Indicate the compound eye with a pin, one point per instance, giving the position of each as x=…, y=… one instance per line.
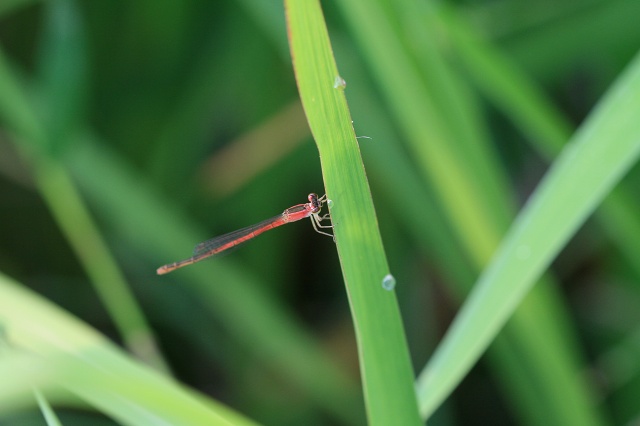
x=315, y=204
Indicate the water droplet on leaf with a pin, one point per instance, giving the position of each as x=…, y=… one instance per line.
x=388, y=282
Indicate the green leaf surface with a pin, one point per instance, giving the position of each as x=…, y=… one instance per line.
x=53, y=349
x=596, y=158
x=382, y=348
x=47, y=411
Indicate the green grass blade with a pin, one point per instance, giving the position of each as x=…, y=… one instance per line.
x=48, y=413
x=511, y=91
x=52, y=349
x=232, y=295
x=599, y=154
x=425, y=118
x=73, y=217
x=383, y=352
x=535, y=115
x=428, y=135
x=62, y=58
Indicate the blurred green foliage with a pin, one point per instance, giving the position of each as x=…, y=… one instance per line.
x=130, y=131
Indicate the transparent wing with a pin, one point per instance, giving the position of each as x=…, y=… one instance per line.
x=233, y=239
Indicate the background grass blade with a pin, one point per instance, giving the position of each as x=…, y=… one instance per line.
x=62, y=352
x=520, y=99
x=601, y=152
x=44, y=129
x=456, y=159
x=47, y=411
